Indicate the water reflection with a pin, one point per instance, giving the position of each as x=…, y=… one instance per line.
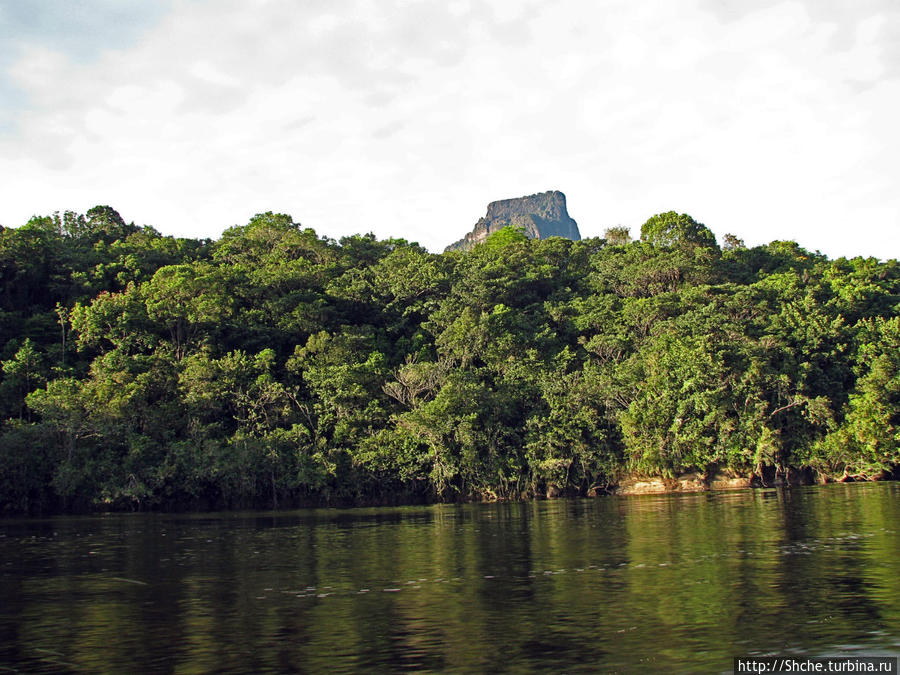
x=683, y=582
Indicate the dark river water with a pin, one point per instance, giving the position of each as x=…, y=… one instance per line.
x=675, y=583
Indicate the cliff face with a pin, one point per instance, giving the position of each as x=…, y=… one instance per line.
x=539, y=216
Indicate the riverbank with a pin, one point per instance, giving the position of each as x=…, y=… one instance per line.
x=730, y=480
x=629, y=485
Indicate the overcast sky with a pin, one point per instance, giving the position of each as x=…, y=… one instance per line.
x=765, y=119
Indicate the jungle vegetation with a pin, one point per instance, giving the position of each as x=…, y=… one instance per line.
x=274, y=367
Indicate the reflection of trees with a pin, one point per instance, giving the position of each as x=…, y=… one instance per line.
x=662, y=582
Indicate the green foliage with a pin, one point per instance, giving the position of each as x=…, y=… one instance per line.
x=499, y=240
x=274, y=367
x=617, y=236
x=571, y=441
x=733, y=242
x=674, y=229
x=867, y=442
x=22, y=373
x=26, y=469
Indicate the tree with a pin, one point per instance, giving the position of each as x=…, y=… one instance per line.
x=867, y=443
x=104, y=222
x=113, y=321
x=617, y=236
x=679, y=230
x=23, y=373
x=569, y=441
x=185, y=299
x=505, y=237
x=66, y=410
x=732, y=243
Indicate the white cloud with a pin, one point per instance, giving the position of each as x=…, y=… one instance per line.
x=407, y=118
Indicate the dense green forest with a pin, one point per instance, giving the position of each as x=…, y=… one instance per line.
x=274, y=367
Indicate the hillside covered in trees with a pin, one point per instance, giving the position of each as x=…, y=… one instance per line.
x=274, y=367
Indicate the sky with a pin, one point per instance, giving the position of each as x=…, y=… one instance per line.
x=760, y=118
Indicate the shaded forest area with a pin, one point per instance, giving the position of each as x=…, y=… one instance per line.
x=275, y=368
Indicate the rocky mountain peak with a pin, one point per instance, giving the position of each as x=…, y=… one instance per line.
x=538, y=216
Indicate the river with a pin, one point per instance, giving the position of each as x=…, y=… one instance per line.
x=670, y=583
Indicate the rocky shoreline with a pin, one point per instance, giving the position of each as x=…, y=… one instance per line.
x=729, y=480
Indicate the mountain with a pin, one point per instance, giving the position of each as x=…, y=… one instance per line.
x=539, y=216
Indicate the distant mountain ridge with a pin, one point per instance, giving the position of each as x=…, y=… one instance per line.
x=539, y=216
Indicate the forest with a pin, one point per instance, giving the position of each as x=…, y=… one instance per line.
x=273, y=367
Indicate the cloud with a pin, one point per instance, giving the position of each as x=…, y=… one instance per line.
x=79, y=28
x=407, y=117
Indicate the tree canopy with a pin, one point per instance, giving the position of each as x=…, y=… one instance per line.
x=275, y=367
x=676, y=229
